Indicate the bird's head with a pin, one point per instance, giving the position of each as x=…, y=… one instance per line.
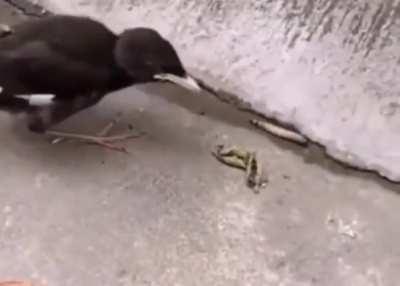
x=147, y=57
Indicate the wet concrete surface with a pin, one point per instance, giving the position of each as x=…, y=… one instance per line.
x=170, y=214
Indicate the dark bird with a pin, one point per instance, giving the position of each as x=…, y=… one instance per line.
x=53, y=67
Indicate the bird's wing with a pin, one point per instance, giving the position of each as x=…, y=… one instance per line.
x=79, y=37
x=42, y=68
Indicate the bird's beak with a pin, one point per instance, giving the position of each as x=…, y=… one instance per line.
x=187, y=82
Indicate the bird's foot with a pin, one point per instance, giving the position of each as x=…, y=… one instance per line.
x=102, y=138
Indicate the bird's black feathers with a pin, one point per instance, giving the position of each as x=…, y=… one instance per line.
x=79, y=60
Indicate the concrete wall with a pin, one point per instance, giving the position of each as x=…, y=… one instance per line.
x=330, y=67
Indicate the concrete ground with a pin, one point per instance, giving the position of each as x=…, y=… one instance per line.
x=170, y=214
